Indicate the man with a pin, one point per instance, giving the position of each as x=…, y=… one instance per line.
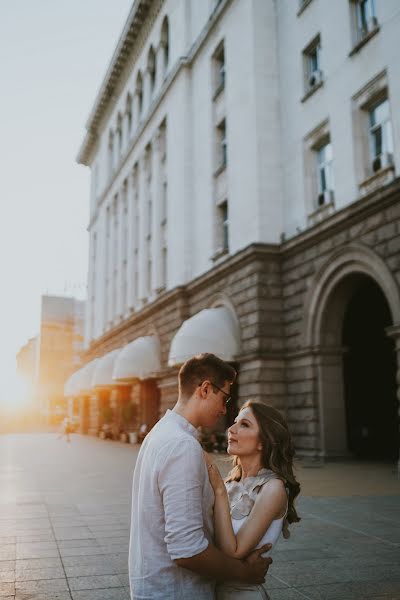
x=171, y=554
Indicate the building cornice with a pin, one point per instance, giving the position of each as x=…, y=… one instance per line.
x=179, y=295
x=112, y=338
x=354, y=213
x=351, y=214
x=249, y=255
x=126, y=43
x=120, y=59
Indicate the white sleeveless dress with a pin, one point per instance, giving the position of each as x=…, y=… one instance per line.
x=242, y=495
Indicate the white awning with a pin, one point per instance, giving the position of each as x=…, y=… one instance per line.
x=210, y=330
x=103, y=371
x=84, y=381
x=138, y=360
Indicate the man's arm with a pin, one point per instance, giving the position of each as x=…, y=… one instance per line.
x=180, y=482
x=213, y=563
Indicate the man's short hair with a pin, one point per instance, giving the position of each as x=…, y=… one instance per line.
x=201, y=367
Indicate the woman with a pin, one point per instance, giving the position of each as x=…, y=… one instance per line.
x=256, y=502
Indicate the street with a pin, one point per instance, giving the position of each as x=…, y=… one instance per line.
x=64, y=525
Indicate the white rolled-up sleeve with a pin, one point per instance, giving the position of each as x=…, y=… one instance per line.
x=180, y=482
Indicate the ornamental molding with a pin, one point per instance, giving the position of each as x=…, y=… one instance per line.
x=136, y=31
x=139, y=23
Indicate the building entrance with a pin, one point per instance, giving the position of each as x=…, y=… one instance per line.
x=369, y=374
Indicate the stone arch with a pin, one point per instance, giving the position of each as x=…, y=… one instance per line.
x=354, y=258
x=326, y=303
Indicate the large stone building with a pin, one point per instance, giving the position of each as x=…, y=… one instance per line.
x=245, y=200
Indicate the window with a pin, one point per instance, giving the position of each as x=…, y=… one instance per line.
x=119, y=134
x=165, y=43
x=222, y=155
x=164, y=202
x=365, y=17
x=318, y=173
x=128, y=111
x=380, y=136
x=312, y=65
x=325, y=173
x=110, y=153
x=151, y=66
x=149, y=276
x=372, y=135
x=219, y=69
x=149, y=215
x=223, y=226
x=139, y=94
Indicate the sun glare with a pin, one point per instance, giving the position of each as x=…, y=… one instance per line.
x=15, y=396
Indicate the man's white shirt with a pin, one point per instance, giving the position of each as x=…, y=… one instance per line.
x=172, y=513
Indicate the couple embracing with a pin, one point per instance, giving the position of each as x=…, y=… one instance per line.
x=192, y=535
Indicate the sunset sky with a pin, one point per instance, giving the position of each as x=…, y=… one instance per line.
x=54, y=55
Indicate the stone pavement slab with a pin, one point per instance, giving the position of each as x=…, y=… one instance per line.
x=65, y=511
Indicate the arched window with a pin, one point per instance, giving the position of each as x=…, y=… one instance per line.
x=128, y=114
x=119, y=134
x=151, y=66
x=165, y=44
x=139, y=93
x=110, y=152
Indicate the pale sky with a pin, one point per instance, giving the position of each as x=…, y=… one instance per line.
x=53, y=56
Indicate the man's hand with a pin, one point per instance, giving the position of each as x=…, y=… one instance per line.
x=256, y=565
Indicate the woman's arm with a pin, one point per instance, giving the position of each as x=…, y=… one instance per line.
x=270, y=504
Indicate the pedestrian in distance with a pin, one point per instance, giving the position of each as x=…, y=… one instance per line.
x=256, y=502
x=66, y=429
x=171, y=550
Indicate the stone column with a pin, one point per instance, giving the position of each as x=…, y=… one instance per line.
x=109, y=262
x=156, y=239
x=130, y=242
x=120, y=253
x=331, y=401
x=394, y=332
x=142, y=291
x=90, y=291
x=113, y=261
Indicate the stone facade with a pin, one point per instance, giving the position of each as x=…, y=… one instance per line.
x=190, y=208
x=278, y=292
x=364, y=238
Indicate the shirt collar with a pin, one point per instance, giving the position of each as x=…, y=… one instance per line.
x=182, y=422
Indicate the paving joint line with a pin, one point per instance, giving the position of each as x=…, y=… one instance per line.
x=375, y=537
x=58, y=549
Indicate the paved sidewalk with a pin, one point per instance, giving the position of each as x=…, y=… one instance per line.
x=64, y=525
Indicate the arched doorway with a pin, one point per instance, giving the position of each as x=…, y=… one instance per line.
x=369, y=374
x=352, y=318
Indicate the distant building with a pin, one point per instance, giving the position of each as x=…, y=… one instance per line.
x=27, y=359
x=59, y=351
x=245, y=200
